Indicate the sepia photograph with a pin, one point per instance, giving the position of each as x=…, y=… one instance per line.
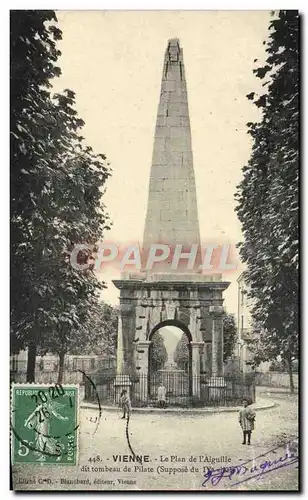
x=154, y=250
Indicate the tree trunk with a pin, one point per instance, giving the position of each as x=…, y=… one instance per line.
x=61, y=367
x=289, y=364
x=31, y=362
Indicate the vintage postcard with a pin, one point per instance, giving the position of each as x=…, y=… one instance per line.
x=154, y=250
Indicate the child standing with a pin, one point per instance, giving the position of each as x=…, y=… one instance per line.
x=161, y=395
x=125, y=403
x=247, y=420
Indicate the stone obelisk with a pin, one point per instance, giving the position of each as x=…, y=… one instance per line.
x=189, y=300
x=172, y=215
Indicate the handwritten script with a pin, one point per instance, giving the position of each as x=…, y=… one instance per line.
x=241, y=473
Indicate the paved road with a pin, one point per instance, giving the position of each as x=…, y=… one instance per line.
x=209, y=435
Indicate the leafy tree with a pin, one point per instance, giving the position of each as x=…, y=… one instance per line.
x=95, y=335
x=230, y=334
x=104, y=320
x=181, y=353
x=56, y=188
x=158, y=353
x=268, y=197
x=33, y=57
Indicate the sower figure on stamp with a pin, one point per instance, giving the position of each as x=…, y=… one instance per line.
x=161, y=395
x=39, y=421
x=125, y=403
x=247, y=420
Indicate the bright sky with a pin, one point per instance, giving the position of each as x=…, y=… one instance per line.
x=113, y=61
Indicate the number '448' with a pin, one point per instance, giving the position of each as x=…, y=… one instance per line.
x=94, y=459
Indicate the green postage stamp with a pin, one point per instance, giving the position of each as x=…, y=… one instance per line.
x=44, y=423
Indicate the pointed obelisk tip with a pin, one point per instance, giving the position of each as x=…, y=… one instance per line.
x=173, y=50
x=173, y=41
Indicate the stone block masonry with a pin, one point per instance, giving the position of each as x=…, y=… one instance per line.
x=166, y=296
x=172, y=215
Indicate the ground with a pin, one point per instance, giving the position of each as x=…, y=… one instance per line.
x=163, y=436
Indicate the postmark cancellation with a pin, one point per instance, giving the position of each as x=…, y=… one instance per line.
x=44, y=424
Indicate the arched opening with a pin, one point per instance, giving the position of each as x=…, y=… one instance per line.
x=170, y=362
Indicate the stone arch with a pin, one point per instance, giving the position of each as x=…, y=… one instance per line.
x=172, y=322
x=193, y=304
x=184, y=328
